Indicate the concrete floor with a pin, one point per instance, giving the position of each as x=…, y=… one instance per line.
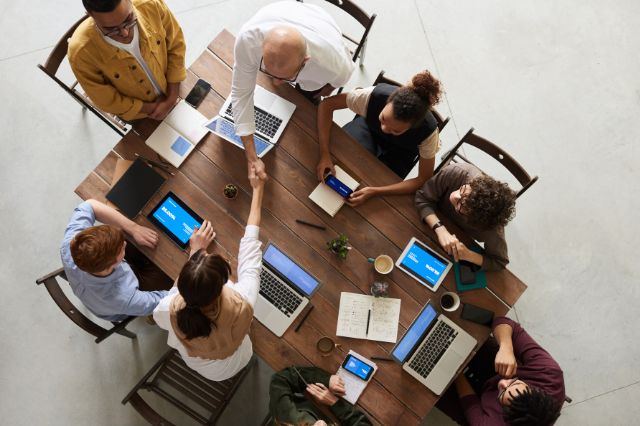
x=554, y=83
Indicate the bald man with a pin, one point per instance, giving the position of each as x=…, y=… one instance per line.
x=290, y=42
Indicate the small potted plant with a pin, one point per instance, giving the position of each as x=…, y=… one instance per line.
x=230, y=191
x=339, y=246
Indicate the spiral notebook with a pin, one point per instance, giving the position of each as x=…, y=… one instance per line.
x=328, y=199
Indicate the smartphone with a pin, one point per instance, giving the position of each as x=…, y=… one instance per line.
x=477, y=314
x=335, y=184
x=198, y=93
x=357, y=367
x=467, y=273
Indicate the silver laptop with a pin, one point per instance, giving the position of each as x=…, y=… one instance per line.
x=272, y=114
x=285, y=290
x=433, y=349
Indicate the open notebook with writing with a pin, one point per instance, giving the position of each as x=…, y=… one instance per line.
x=178, y=134
x=328, y=199
x=366, y=317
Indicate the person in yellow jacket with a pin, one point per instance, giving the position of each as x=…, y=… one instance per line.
x=128, y=56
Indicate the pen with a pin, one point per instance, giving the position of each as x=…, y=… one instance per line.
x=300, y=375
x=155, y=164
x=368, y=319
x=381, y=358
x=313, y=225
x=303, y=319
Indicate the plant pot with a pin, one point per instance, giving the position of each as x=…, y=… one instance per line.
x=230, y=191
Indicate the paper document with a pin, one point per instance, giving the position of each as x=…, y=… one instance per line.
x=368, y=317
x=178, y=134
x=327, y=198
x=353, y=385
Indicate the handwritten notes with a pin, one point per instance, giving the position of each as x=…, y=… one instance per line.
x=367, y=317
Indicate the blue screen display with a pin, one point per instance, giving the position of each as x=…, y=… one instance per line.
x=417, y=329
x=424, y=264
x=227, y=129
x=335, y=184
x=176, y=219
x=288, y=268
x=357, y=367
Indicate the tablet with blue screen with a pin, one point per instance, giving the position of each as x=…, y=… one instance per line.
x=423, y=264
x=175, y=219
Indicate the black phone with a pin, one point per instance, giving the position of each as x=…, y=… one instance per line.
x=467, y=273
x=198, y=93
x=477, y=314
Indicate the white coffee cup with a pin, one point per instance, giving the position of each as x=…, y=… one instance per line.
x=383, y=264
x=449, y=301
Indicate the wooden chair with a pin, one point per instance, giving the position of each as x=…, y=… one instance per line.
x=53, y=287
x=51, y=67
x=363, y=19
x=382, y=79
x=494, y=151
x=174, y=381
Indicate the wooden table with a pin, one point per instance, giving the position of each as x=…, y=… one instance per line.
x=381, y=225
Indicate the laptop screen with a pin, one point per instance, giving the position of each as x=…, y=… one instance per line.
x=290, y=270
x=424, y=264
x=413, y=336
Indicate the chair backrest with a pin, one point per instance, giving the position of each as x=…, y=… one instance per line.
x=493, y=150
x=381, y=78
x=362, y=17
x=171, y=379
x=55, y=291
x=51, y=67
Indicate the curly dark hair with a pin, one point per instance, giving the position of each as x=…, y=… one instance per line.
x=412, y=102
x=489, y=203
x=531, y=407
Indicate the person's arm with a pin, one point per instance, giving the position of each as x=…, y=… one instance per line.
x=176, y=48
x=282, y=389
x=201, y=237
x=425, y=172
x=496, y=254
x=325, y=120
x=140, y=234
x=143, y=303
x=166, y=104
x=250, y=255
x=505, y=362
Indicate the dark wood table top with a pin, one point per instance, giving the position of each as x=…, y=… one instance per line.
x=381, y=225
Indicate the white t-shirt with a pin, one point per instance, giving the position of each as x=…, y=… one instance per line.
x=133, y=48
x=249, y=268
x=330, y=61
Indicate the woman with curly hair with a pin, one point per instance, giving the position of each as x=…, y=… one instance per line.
x=478, y=204
x=394, y=123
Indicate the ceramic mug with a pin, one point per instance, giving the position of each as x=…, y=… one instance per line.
x=450, y=301
x=326, y=345
x=383, y=264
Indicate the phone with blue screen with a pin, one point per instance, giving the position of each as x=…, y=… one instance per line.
x=357, y=367
x=337, y=185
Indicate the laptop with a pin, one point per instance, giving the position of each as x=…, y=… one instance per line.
x=272, y=114
x=285, y=290
x=433, y=349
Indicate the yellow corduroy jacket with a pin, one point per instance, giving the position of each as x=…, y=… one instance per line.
x=112, y=78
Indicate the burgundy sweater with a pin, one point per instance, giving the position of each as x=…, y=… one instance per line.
x=535, y=367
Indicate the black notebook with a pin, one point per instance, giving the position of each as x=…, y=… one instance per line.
x=135, y=188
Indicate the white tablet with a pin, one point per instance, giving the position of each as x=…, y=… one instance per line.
x=423, y=264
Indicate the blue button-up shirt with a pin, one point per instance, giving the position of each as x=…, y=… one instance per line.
x=114, y=297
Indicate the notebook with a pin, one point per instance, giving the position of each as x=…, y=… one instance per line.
x=122, y=166
x=178, y=134
x=328, y=199
x=135, y=188
x=367, y=317
x=353, y=385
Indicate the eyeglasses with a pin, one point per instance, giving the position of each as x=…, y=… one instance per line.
x=288, y=80
x=464, y=192
x=130, y=22
x=501, y=394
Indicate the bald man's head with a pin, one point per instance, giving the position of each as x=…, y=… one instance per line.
x=284, y=51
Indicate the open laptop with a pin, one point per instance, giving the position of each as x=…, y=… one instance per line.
x=285, y=289
x=433, y=349
x=272, y=114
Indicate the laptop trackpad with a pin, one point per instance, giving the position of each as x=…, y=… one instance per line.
x=450, y=362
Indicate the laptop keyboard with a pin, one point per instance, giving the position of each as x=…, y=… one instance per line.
x=276, y=292
x=226, y=128
x=267, y=124
x=433, y=349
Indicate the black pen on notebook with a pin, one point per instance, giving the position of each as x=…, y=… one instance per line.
x=313, y=225
x=368, y=319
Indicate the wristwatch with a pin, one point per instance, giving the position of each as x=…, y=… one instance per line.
x=437, y=225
